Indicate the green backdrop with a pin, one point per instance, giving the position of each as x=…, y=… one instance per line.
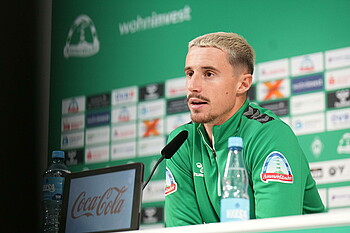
x=138, y=43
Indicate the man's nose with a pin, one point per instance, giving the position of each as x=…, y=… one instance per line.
x=194, y=83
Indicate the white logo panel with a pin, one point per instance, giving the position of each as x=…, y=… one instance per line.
x=307, y=64
x=97, y=135
x=302, y=104
x=337, y=79
x=338, y=119
x=273, y=70
x=124, y=150
x=308, y=124
x=73, y=105
x=175, y=87
x=332, y=171
x=124, y=114
x=338, y=58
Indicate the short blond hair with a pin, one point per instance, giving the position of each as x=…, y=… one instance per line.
x=240, y=53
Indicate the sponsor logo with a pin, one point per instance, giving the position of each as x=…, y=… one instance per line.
x=72, y=140
x=97, y=135
x=338, y=119
x=200, y=170
x=280, y=108
x=344, y=144
x=110, y=202
x=274, y=90
x=154, y=192
x=338, y=58
x=124, y=114
x=317, y=147
x=175, y=87
x=73, y=105
x=276, y=168
x=98, y=101
x=152, y=215
x=152, y=92
x=307, y=103
x=317, y=173
x=273, y=70
x=82, y=28
x=125, y=95
x=177, y=120
x=170, y=183
x=152, y=127
x=152, y=109
x=73, y=123
x=124, y=150
x=308, y=124
x=150, y=146
x=74, y=157
x=306, y=64
x=339, y=99
x=155, y=20
x=311, y=83
x=97, y=154
x=331, y=171
x=337, y=79
x=177, y=105
x=96, y=119
x=122, y=132
x=339, y=197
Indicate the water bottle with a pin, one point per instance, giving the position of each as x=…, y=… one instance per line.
x=53, y=182
x=234, y=197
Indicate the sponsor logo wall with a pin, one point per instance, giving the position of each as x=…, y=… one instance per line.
x=130, y=123
x=125, y=122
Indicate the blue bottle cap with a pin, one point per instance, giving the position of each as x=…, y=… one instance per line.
x=58, y=154
x=235, y=142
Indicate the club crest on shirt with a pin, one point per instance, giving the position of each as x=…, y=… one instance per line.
x=276, y=168
x=170, y=183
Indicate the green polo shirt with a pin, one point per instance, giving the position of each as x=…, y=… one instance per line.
x=280, y=183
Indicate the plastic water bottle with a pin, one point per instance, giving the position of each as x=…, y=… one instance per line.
x=234, y=197
x=53, y=182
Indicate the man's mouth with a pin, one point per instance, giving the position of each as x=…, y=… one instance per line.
x=196, y=103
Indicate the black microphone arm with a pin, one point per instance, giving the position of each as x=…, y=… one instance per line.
x=168, y=151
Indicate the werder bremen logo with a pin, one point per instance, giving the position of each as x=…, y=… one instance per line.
x=82, y=38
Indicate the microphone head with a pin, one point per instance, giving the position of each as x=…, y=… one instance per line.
x=170, y=149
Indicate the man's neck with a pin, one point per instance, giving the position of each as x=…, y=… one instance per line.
x=209, y=126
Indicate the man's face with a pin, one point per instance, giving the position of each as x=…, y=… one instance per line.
x=211, y=85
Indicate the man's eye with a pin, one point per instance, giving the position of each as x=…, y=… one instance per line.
x=209, y=74
x=189, y=74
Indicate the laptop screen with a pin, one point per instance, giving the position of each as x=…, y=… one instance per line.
x=103, y=200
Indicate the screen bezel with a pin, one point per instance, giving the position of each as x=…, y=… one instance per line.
x=137, y=197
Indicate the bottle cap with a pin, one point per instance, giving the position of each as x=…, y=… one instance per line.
x=58, y=154
x=235, y=142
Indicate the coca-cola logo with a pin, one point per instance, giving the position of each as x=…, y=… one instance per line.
x=109, y=203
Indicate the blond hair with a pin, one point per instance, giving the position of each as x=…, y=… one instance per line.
x=240, y=53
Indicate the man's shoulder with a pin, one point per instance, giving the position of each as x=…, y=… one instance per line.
x=257, y=118
x=255, y=113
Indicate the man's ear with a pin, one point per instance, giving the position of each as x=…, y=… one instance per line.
x=245, y=83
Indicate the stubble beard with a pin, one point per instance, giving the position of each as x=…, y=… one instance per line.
x=199, y=118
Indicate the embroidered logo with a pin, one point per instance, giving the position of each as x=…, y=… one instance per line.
x=170, y=183
x=201, y=170
x=254, y=114
x=276, y=168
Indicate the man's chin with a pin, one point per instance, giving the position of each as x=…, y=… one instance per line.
x=200, y=119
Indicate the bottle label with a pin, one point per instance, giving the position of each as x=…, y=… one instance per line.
x=53, y=188
x=234, y=209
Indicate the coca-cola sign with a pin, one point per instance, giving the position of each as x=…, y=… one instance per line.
x=110, y=202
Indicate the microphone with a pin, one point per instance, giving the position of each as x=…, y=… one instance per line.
x=168, y=151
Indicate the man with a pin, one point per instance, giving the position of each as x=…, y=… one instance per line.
x=219, y=68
